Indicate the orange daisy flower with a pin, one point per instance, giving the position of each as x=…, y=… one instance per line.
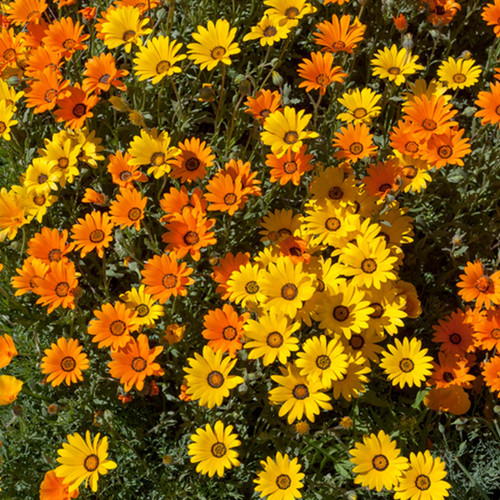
x=355, y=142
x=176, y=200
x=442, y=12
x=240, y=170
x=11, y=48
x=290, y=167
x=491, y=14
x=92, y=233
x=39, y=59
x=295, y=249
x=222, y=271
x=7, y=350
x=21, y=12
x=319, y=72
x=57, y=286
x=64, y=362
x=101, y=74
x=447, y=149
x=224, y=193
x=402, y=139
x=476, y=285
x=382, y=178
x=430, y=117
x=224, y=328
x=455, y=334
x=50, y=245
x=65, y=37
x=122, y=172
x=164, y=277
x=491, y=373
x=188, y=232
x=44, y=93
x=263, y=104
x=75, y=108
x=94, y=197
x=339, y=35
x=194, y=159
x=113, y=325
x=487, y=331
x=25, y=281
x=134, y=362
x=451, y=370
x=53, y=487
x=88, y=13
x=34, y=34
x=489, y=102
x=128, y=209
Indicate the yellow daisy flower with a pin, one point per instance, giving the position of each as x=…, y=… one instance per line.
x=284, y=130
x=394, y=64
x=244, y=285
x=213, y=44
x=148, y=311
x=268, y=31
x=353, y=382
x=459, y=73
x=6, y=121
x=388, y=309
x=361, y=105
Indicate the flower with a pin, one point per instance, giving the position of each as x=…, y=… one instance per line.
x=65, y=37
x=459, y=73
x=452, y=399
x=213, y=44
x=377, y=461
x=489, y=102
x=263, y=104
x=134, y=362
x=244, y=285
x=477, y=285
x=339, y=35
x=53, y=488
x=280, y=479
x=212, y=449
x=423, y=480
x=406, y=363
x=7, y=350
x=64, y=362
x=75, y=108
x=101, y=73
x=6, y=121
x=83, y=460
x=194, y=158
x=284, y=130
x=93, y=233
x=208, y=377
x=289, y=167
x=9, y=389
x=128, y=209
x=491, y=373
x=455, y=333
x=354, y=141
x=268, y=30
x=122, y=172
x=491, y=14
x=361, y=105
x=144, y=305
x=394, y=64
x=299, y=395
x=319, y=72
x=158, y=59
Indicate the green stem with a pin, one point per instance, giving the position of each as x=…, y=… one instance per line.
x=221, y=98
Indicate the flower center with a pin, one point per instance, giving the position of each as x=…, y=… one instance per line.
x=55, y=255
x=291, y=137
x=229, y=332
x=252, y=287
x=69, y=43
x=283, y=481
x=117, y=327
x=378, y=310
x=191, y=238
x=429, y=124
x=384, y=187
x=192, y=164
x=125, y=175
x=217, y=52
x=290, y=167
x=444, y=151
x=422, y=482
x=497, y=110
x=9, y=54
x=356, y=342
x=162, y=67
x=274, y=340
x=459, y=78
x=380, y=462
x=3, y=127
x=483, y=284
x=157, y=159
x=134, y=214
x=142, y=310
x=369, y=266
x=63, y=162
x=169, y=281
x=359, y=113
x=96, y=236
x=139, y=364
x=39, y=199
x=322, y=80
x=289, y=291
x=448, y=377
x=339, y=45
x=215, y=379
x=62, y=289
x=270, y=31
x=104, y=78
x=68, y=364
x=323, y=362
x=411, y=147
x=410, y=171
x=495, y=333
x=356, y=148
x=50, y=95
x=300, y=391
x=42, y=178
x=291, y=12
x=455, y=338
x=230, y=199
x=218, y=449
x=79, y=110
x=91, y=462
x=341, y=313
x=394, y=70
x=128, y=35
x=335, y=193
x=406, y=365
x=332, y=223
